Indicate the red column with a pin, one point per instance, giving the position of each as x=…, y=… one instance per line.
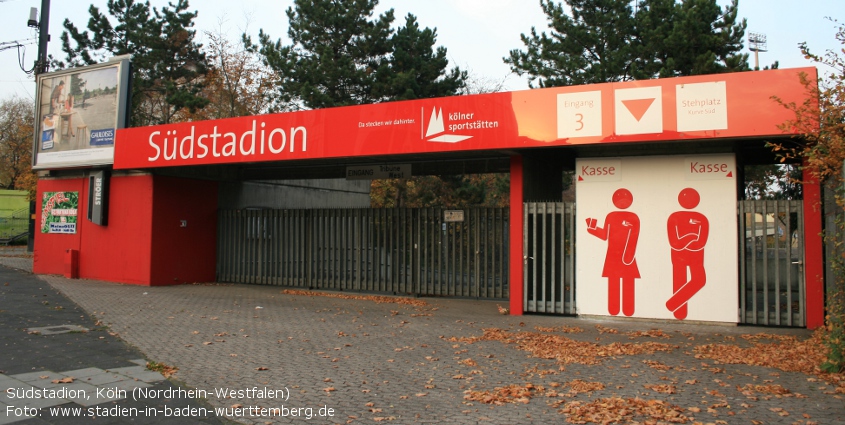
x=813, y=260
x=516, y=261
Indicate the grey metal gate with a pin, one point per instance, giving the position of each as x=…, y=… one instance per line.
x=396, y=250
x=771, y=272
x=549, y=247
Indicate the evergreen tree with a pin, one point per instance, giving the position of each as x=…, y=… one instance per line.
x=415, y=69
x=168, y=65
x=594, y=41
x=341, y=55
x=336, y=49
x=593, y=44
x=692, y=37
x=653, y=48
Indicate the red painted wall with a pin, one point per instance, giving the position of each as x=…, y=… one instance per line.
x=143, y=242
x=49, y=254
x=184, y=254
x=119, y=252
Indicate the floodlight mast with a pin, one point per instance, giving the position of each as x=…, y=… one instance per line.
x=757, y=43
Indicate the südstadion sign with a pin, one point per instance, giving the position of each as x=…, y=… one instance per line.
x=652, y=110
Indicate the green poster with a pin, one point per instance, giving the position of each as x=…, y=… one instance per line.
x=59, y=211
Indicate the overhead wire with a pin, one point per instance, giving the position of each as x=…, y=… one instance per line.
x=21, y=46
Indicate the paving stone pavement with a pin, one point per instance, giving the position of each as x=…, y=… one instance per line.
x=59, y=366
x=252, y=347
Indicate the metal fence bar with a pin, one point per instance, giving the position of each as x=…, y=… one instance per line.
x=764, y=249
x=790, y=315
x=287, y=242
x=410, y=251
x=550, y=305
x=425, y=262
x=570, y=282
x=771, y=259
x=237, y=269
x=415, y=244
x=534, y=257
x=548, y=243
x=743, y=252
x=525, y=253
x=776, y=250
x=753, y=221
x=480, y=219
x=359, y=254
x=503, y=254
x=274, y=243
x=799, y=212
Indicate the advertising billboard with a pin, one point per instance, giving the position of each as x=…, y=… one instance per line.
x=78, y=112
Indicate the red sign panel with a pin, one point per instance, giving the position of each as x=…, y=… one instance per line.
x=738, y=105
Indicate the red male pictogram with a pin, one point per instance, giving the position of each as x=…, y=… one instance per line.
x=621, y=231
x=688, y=232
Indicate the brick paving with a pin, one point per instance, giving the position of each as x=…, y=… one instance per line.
x=396, y=363
x=64, y=368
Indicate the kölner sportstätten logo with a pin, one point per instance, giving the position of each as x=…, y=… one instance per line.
x=437, y=129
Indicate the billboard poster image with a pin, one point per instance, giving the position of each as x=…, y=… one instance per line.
x=78, y=113
x=59, y=211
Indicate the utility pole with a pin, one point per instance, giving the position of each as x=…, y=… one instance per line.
x=43, y=37
x=40, y=67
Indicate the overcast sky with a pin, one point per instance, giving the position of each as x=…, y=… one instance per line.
x=476, y=33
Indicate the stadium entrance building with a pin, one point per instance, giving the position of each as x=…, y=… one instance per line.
x=658, y=228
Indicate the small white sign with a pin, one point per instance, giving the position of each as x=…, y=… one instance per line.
x=579, y=114
x=702, y=106
x=598, y=170
x=453, y=216
x=378, y=172
x=706, y=167
x=639, y=110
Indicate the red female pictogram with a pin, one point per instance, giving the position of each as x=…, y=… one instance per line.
x=621, y=231
x=688, y=232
